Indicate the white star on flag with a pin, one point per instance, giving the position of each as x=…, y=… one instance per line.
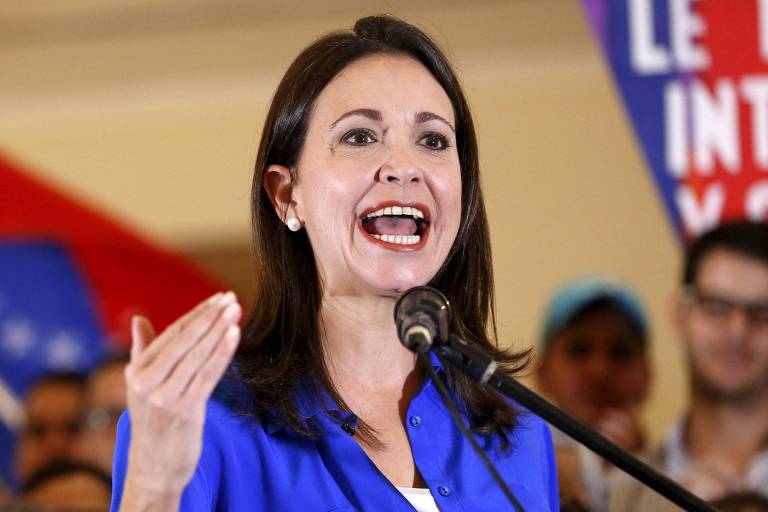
x=17, y=337
x=63, y=350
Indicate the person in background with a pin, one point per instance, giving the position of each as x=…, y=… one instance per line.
x=53, y=409
x=720, y=445
x=105, y=402
x=68, y=486
x=748, y=501
x=593, y=363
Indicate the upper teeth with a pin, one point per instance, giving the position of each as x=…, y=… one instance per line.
x=397, y=210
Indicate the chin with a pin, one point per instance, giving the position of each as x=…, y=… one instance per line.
x=396, y=281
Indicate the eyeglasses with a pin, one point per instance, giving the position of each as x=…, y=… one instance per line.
x=102, y=418
x=43, y=429
x=720, y=308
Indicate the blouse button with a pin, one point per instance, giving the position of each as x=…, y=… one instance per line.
x=415, y=421
x=444, y=491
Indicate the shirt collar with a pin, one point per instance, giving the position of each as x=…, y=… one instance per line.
x=313, y=400
x=678, y=460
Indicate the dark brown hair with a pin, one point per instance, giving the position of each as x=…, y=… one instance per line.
x=281, y=339
x=748, y=238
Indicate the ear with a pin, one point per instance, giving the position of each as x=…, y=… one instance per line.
x=647, y=378
x=278, y=183
x=541, y=374
x=680, y=311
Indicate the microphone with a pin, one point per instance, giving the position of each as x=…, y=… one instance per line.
x=423, y=318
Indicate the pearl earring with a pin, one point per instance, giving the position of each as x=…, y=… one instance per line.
x=293, y=224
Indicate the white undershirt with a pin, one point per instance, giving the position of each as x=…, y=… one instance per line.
x=421, y=499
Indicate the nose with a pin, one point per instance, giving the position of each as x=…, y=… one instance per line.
x=738, y=325
x=598, y=367
x=59, y=443
x=400, y=169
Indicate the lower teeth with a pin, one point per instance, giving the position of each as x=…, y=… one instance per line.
x=399, y=239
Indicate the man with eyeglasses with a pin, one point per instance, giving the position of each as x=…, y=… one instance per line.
x=106, y=401
x=720, y=446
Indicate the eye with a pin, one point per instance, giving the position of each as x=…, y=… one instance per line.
x=715, y=307
x=578, y=349
x=435, y=141
x=623, y=350
x=358, y=137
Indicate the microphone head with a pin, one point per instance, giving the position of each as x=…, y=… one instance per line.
x=422, y=317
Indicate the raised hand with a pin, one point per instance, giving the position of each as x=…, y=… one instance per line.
x=622, y=427
x=169, y=379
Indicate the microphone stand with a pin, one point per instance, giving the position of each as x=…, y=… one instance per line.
x=481, y=367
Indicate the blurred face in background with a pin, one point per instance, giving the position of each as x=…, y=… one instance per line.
x=106, y=400
x=596, y=363
x=54, y=413
x=723, y=323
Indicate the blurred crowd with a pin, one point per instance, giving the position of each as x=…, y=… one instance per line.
x=592, y=360
x=63, y=458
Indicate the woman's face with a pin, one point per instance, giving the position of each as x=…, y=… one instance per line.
x=379, y=181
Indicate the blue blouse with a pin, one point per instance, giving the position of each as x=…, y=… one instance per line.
x=251, y=465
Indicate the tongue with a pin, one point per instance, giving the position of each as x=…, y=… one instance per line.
x=394, y=226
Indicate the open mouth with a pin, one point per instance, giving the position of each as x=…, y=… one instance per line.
x=404, y=226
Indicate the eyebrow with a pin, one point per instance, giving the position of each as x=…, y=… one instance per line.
x=423, y=117
x=375, y=115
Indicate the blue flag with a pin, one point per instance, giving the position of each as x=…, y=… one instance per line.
x=47, y=324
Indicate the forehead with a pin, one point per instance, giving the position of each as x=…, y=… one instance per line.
x=602, y=324
x=733, y=274
x=391, y=84
x=53, y=398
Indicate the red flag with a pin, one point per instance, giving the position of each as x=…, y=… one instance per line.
x=125, y=273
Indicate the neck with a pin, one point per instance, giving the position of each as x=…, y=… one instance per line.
x=737, y=431
x=362, y=349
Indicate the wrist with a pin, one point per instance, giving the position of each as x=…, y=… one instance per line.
x=142, y=495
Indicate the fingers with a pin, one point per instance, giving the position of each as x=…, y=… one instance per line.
x=154, y=363
x=181, y=328
x=142, y=334
x=194, y=360
x=210, y=373
x=622, y=428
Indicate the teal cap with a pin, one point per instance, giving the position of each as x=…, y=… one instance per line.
x=573, y=298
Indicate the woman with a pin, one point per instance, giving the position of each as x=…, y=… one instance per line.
x=366, y=184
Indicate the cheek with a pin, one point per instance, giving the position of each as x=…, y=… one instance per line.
x=448, y=193
x=562, y=375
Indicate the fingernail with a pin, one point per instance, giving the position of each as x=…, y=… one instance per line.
x=214, y=298
x=134, y=328
x=227, y=298
x=231, y=311
x=233, y=334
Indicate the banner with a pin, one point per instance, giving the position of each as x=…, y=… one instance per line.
x=693, y=75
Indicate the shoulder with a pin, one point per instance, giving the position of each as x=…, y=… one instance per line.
x=532, y=448
x=530, y=430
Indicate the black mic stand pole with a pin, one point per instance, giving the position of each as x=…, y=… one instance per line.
x=480, y=367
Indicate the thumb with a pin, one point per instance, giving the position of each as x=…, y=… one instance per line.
x=142, y=334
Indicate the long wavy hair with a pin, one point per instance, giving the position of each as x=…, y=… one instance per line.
x=282, y=335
